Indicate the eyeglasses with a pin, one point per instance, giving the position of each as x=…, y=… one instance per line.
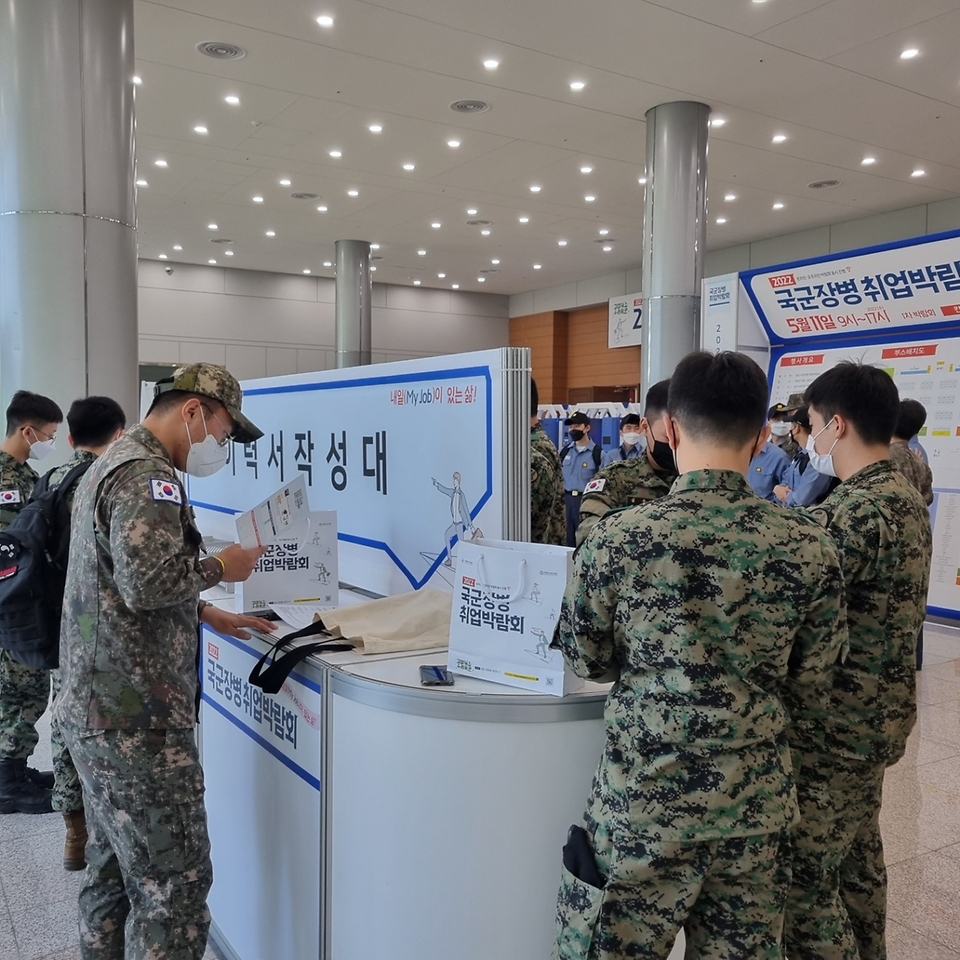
x=38, y=432
x=227, y=432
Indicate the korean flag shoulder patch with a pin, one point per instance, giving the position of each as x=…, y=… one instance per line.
x=10, y=496
x=595, y=486
x=166, y=491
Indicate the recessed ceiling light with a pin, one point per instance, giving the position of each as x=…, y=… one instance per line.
x=721, y=219
x=494, y=262
x=641, y=180
x=306, y=271
x=271, y=233
x=919, y=172
x=161, y=256
x=137, y=81
x=353, y=193
x=471, y=211
x=536, y=266
x=523, y=219
x=441, y=275
x=228, y=253
x=212, y=226
x=577, y=85
x=491, y=64
x=586, y=169
x=535, y=188
x=453, y=143
x=284, y=182
x=336, y=154
x=257, y=199
x=481, y=279
x=730, y=196
x=909, y=53
x=374, y=246
x=375, y=128
x=561, y=243
x=866, y=161
x=325, y=21
x=607, y=249
x=421, y=253
x=200, y=129
x=484, y=233
x=160, y=163
x=779, y=137
x=142, y=183
x=456, y=286
x=232, y=100
x=211, y=261
x=778, y=206
x=409, y=166
x=717, y=122
x=759, y=1
x=416, y=283
x=603, y=232
x=177, y=246
x=589, y=198
x=322, y=208
x=436, y=226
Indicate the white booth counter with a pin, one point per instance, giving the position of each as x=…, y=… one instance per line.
x=358, y=815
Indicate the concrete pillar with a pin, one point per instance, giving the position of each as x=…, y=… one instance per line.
x=68, y=242
x=674, y=235
x=353, y=294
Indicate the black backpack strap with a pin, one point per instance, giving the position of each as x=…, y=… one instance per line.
x=598, y=455
x=564, y=451
x=270, y=678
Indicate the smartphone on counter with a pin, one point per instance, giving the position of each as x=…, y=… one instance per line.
x=435, y=676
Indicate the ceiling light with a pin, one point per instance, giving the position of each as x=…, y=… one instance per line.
x=717, y=122
x=375, y=128
x=137, y=81
x=778, y=206
x=212, y=226
x=536, y=266
x=603, y=232
x=160, y=163
x=561, y=243
x=353, y=193
x=866, y=161
x=472, y=212
x=200, y=129
x=228, y=253
x=271, y=233
x=284, y=182
x=730, y=196
x=481, y=279
x=211, y=261
x=325, y=21
x=416, y=283
x=456, y=286
x=306, y=271
x=484, y=233
x=453, y=143
x=607, y=249
x=779, y=138
x=421, y=253
x=436, y=226
x=759, y=1
x=336, y=154
x=327, y=263
x=491, y=64
x=257, y=199
x=322, y=208
x=177, y=246
x=641, y=180
x=494, y=262
x=374, y=246
x=909, y=53
x=142, y=183
x=586, y=169
x=409, y=166
x=441, y=275
x=577, y=85
x=524, y=219
x=589, y=198
x=232, y=100
x=721, y=219
x=919, y=172
x=161, y=256
x=535, y=189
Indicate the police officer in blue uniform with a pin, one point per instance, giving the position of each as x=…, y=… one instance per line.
x=631, y=442
x=580, y=460
x=802, y=486
x=768, y=467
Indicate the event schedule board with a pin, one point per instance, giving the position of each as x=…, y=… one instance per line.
x=907, y=321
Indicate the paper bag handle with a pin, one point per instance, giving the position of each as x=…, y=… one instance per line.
x=482, y=581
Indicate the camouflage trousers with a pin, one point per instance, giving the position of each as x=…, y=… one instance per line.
x=836, y=908
x=144, y=892
x=67, y=793
x=24, y=694
x=726, y=895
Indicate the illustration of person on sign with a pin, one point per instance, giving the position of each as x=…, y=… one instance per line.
x=460, y=514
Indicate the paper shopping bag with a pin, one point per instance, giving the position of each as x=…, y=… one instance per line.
x=506, y=603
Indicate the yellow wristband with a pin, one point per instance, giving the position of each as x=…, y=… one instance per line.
x=223, y=569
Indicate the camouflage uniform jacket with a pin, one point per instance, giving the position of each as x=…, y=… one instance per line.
x=701, y=605
x=58, y=473
x=541, y=442
x=547, y=517
x=623, y=484
x=128, y=644
x=913, y=468
x=883, y=530
x=17, y=481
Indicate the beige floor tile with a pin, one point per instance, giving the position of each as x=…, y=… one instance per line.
x=923, y=896
x=905, y=944
x=920, y=750
x=944, y=670
x=917, y=817
x=937, y=690
x=940, y=724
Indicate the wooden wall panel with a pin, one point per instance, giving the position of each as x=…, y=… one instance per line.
x=590, y=362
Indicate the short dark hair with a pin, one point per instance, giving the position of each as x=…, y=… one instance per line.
x=534, y=398
x=721, y=397
x=94, y=420
x=630, y=420
x=913, y=415
x=162, y=402
x=31, y=408
x=656, y=400
x=864, y=395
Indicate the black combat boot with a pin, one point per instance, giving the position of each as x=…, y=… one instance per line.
x=42, y=778
x=17, y=793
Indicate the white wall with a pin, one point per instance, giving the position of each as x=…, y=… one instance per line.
x=268, y=324
x=834, y=238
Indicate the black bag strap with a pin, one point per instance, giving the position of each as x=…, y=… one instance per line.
x=564, y=450
x=598, y=455
x=270, y=678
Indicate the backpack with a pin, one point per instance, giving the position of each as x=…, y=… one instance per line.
x=597, y=454
x=33, y=573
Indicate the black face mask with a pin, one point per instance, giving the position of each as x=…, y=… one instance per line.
x=576, y=435
x=663, y=456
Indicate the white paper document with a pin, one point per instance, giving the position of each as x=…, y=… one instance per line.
x=284, y=516
x=301, y=614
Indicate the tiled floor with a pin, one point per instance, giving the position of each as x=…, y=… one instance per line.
x=921, y=831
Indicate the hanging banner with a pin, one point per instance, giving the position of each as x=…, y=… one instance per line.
x=625, y=321
x=719, y=301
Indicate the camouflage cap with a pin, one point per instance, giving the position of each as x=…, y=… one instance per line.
x=216, y=382
x=795, y=401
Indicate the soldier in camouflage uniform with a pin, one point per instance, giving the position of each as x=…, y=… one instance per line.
x=911, y=418
x=548, y=522
x=700, y=606
x=32, y=422
x=94, y=423
x=780, y=429
x=843, y=742
x=637, y=480
x=128, y=657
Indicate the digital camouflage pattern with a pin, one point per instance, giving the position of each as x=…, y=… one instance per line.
x=623, y=484
x=541, y=442
x=547, y=519
x=846, y=738
x=917, y=473
x=700, y=606
x=148, y=873
x=211, y=380
x=24, y=691
x=128, y=644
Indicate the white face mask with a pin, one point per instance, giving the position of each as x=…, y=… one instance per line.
x=40, y=449
x=779, y=429
x=632, y=439
x=821, y=462
x=205, y=458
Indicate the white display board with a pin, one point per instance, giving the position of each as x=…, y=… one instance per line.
x=719, y=299
x=409, y=455
x=625, y=321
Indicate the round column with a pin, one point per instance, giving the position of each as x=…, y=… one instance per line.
x=674, y=235
x=353, y=295
x=68, y=244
